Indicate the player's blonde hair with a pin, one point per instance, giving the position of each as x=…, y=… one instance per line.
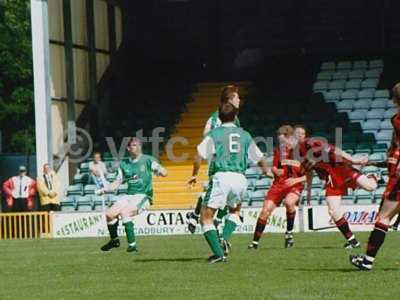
x=228, y=93
x=285, y=130
x=396, y=93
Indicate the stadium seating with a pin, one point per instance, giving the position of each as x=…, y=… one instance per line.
x=347, y=96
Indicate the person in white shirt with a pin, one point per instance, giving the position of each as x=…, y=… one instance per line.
x=98, y=172
x=20, y=192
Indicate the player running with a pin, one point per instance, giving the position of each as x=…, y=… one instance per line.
x=391, y=196
x=138, y=172
x=334, y=166
x=229, y=94
x=287, y=185
x=232, y=149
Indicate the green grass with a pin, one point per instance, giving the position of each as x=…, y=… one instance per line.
x=175, y=268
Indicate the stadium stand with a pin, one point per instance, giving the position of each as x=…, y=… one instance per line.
x=346, y=94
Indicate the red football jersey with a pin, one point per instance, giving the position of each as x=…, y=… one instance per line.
x=284, y=159
x=393, y=155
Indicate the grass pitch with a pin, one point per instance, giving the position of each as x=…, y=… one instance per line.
x=175, y=267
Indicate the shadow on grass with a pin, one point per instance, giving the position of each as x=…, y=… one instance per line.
x=339, y=270
x=147, y=260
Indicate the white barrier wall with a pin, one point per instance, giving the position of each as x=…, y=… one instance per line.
x=172, y=222
x=166, y=222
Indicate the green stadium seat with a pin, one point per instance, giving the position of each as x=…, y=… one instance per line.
x=256, y=196
x=360, y=65
x=328, y=66
x=332, y=96
x=379, y=193
x=363, y=148
x=384, y=136
x=356, y=74
x=349, y=95
x=379, y=103
x=337, y=85
x=89, y=189
x=84, y=167
x=382, y=94
x=386, y=124
x=371, y=125
x=379, y=147
x=363, y=195
x=366, y=94
x=252, y=173
x=353, y=84
x=81, y=178
x=370, y=83
x=76, y=189
x=344, y=65
x=316, y=182
x=373, y=74
x=98, y=202
x=378, y=156
x=370, y=169
x=358, y=115
x=123, y=189
x=68, y=203
x=389, y=113
x=324, y=76
x=376, y=64
x=84, y=203
x=111, y=177
x=111, y=198
x=340, y=75
x=375, y=114
x=345, y=105
x=362, y=104
x=262, y=184
x=320, y=86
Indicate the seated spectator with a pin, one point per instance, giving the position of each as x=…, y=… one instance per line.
x=48, y=186
x=20, y=192
x=98, y=172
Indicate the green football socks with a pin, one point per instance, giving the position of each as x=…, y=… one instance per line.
x=212, y=239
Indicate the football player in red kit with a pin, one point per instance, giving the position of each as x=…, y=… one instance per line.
x=287, y=185
x=334, y=166
x=391, y=197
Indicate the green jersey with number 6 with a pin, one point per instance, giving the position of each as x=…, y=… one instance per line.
x=230, y=148
x=138, y=173
x=215, y=122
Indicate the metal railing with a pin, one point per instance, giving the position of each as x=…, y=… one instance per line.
x=25, y=225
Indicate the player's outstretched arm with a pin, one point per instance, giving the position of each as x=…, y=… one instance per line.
x=347, y=157
x=158, y=169
x=263, y=164
x=196, y=168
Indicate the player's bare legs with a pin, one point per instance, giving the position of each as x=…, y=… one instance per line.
x=377, y=237
x=210, y=234
x=122, y=209
x=335, y=212
x=112, y=224
x=290, y=205
x=265, y=213
x=367, y=183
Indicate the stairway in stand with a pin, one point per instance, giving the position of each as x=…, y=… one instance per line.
x=173, y=192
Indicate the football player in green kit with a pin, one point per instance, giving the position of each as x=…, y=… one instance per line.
x=232, y=148
x=138, y=172
x=212, y=123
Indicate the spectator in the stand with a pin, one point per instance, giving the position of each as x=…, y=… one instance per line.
x=48, y=186
x=20, y=192
x=98, y=173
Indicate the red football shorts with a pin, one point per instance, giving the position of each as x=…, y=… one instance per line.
x=392, y=191
x=342, y=178
x=278, y=192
